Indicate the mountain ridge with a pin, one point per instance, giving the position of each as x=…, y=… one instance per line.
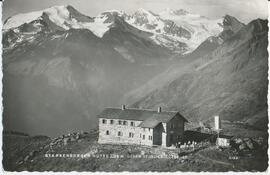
x=165, y=32
x=225, y=82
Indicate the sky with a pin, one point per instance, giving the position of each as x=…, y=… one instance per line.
x=244, y=10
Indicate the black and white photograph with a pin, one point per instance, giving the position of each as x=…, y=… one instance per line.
x=135, y=86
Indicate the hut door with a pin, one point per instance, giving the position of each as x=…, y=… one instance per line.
x=171, y=140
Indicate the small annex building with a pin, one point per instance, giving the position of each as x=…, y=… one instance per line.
x=140, y=126
x=223, y=140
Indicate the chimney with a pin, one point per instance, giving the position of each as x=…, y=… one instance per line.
x=159, y=109
x=217, y=123
x=123, y=107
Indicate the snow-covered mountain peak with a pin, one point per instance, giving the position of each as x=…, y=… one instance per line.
x=145, y=20
x=56, y=13
x=61, y=17
x=145, y=14
x=200, y=27
x=179, y=12
x=177, y=30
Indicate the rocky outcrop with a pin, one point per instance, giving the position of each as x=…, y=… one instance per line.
x=67, y=139
x=248, y=144
x=230, y=27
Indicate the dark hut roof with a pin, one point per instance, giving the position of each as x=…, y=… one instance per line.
x=225, y=136
x=150, y=118
x=150, y=123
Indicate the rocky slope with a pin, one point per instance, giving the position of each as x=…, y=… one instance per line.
x=231, y=81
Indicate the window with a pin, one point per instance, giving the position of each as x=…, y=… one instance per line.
x=143, y=129
x=131, y=123
x=149, y=129
x=140, y=135
x=124, y=122
x=107, y=132
x=104, y=121
x=143, y=137
x=111, y=121
x=172, y=125
x=120, y=122
x=120, y=133
x=131, y=135
x=150, y=137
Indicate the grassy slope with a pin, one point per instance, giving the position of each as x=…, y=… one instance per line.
x=205, y=158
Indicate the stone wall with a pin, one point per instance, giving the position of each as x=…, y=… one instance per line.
x=125, y=138
x=147, y=132
x=165, y=134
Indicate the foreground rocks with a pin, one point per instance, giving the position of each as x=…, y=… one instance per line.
x=248, y=144
x=54, y=143
x=66, y=139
